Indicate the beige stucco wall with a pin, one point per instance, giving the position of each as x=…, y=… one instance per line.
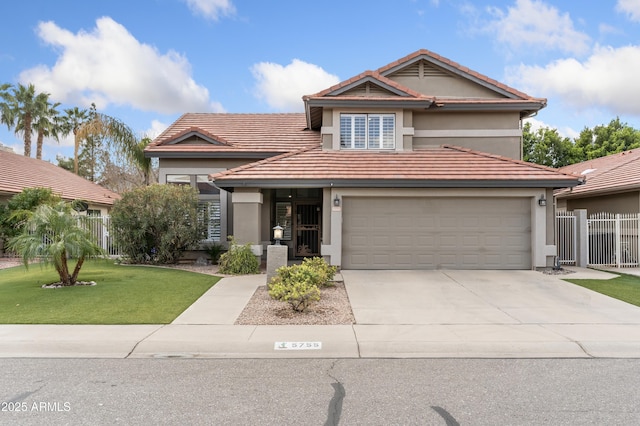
x=247, y=217
x=542, y=247
x=496, y=133
x=627, y=202
x=446, y=86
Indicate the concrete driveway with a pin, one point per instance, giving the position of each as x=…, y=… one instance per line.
x=480, y=297
x=488, y=314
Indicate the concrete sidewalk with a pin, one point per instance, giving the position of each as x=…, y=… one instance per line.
x=206, y=330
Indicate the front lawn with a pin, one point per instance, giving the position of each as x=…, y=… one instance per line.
x=124, y=295
x=624, y=287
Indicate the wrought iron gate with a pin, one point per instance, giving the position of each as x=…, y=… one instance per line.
x=307, y=229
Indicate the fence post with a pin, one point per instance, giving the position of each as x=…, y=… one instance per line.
x=618, y=240
x=582, y=238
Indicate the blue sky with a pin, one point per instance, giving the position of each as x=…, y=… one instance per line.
x=148, y=61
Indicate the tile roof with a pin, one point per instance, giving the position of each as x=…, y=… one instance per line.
x=237, y=133
x=613, y=173
x=429, y=167
x=18, y=172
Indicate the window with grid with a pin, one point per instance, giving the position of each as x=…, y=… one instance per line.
x=367, y=131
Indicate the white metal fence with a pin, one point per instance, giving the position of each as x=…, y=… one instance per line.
x=608, y=239
x=613, y=239
x=102, y=231
x=566, y=238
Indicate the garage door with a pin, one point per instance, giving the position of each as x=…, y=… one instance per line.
x=436, y=233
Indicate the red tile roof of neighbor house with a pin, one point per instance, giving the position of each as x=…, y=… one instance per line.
x=18, y=172
x=613, y=173
x=425, y=167
x=241, y=133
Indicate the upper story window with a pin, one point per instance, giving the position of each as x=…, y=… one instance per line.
x=367, y=131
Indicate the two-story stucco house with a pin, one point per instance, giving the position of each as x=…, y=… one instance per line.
x=416, y=165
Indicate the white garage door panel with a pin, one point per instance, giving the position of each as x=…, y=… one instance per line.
x=436, y=233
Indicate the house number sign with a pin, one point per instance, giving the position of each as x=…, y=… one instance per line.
x=297, y=346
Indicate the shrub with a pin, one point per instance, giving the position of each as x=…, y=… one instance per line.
x=297, y=285
x=15, y=213
x=157, y=223
x=325, y=271
x=215, y=251
x=238, y=260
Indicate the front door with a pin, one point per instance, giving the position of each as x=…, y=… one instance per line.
x=307, y=229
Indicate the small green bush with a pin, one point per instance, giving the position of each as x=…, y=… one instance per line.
x=297, y=285
x=325, y=271
x=215, y=251
x=238, y=260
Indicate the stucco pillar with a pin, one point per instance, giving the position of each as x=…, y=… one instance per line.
x=582, y=238
x=247, y=217
x=276, y=258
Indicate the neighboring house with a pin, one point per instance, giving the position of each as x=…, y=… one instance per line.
x=414, y=165
x=18, y=172
x=612, y=185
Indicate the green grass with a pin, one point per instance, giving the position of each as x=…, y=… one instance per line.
x=124, y=295
x=624, y=287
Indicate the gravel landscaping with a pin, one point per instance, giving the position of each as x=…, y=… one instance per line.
x=333, y=308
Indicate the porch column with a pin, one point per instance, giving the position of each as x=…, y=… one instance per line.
x=247, y=218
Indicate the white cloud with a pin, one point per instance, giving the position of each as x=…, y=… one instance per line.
x=631, y=8
x=282, y=87
x=211, y=9
x=533, y=24
x=109, y=66
x=608, y=78
x=156, y=128
x=564, y=131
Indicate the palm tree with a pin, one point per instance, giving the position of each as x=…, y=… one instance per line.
x=115, y=133
x=21, y=106
x=46, y=123
x=53, y=233
x=72, y=121
x=141, y=162
x=4, y=106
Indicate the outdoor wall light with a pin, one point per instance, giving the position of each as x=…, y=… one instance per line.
x=277, y=233
x=542, y=201
x=336, y=201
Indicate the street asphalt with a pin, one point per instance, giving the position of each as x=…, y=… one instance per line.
x=399, y=314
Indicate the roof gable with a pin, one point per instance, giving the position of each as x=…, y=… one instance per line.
x=233, y=135
x=426, y=65
x=369, y=83
x=194, y=135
